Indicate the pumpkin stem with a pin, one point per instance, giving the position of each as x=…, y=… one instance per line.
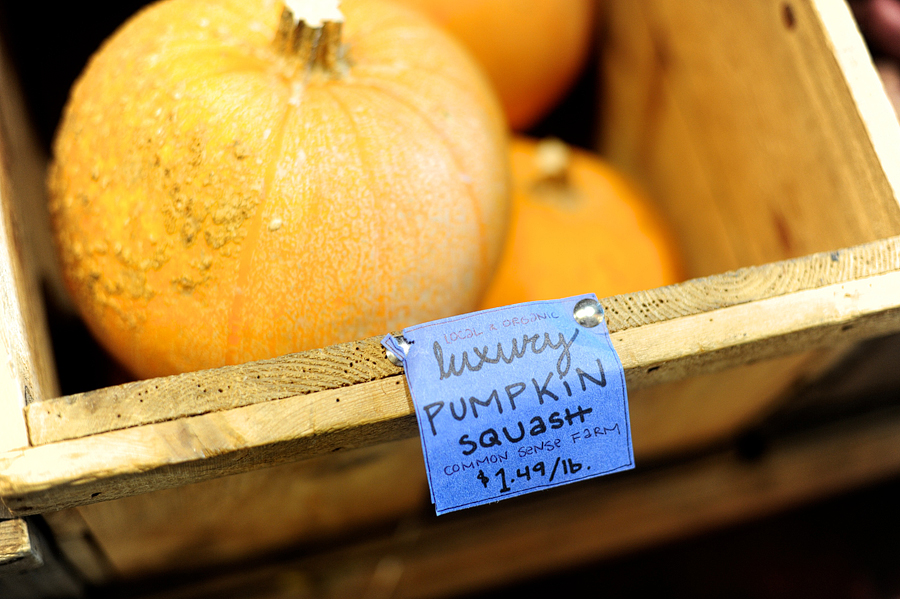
x=553, y=157
x=310, y=31
x=553, y=184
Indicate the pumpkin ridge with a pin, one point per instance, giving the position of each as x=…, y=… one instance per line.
x=366, y=72
x=381, y=265
x=235, y=54
x=451, y=149
x=188, y=82
x=248, y=246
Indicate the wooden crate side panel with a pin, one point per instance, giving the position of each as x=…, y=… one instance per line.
x=564, y=528
x=19, y=551
x=166, y=454
x=13, y=431
x=27, y=366
x=764, y=136
x=703, y=410
x=236, y=518
x=13, y=338
x=78, y=545
x=866, y=92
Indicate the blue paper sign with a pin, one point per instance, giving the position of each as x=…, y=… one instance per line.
x=514, y=400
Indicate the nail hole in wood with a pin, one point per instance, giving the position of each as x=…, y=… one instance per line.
x=750, y=446
x=787, y=15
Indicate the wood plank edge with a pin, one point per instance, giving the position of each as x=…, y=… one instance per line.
x=174, y=453
x=19, y=550
x=812, y=319
x=116, y=408
x=864, y=86
x=196, y=393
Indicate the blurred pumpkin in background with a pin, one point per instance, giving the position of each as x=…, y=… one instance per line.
x=532, y=50
x=229, y=184
x=578, y=226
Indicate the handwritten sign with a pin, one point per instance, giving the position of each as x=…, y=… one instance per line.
x=514, y=400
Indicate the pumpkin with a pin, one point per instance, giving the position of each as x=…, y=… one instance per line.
x=231, y=182
x=578, y=226
x=532, y=50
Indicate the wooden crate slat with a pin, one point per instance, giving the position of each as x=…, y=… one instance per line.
x=191, y=394
x=29, y=568
x=178, y=452
x=25, y=248
x=26, y=364
x=165, y=454
x=13, y=341
x=306, y=503
x=18, y=550
x=158, y=400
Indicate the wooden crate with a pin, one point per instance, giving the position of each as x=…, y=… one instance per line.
x=764, y=133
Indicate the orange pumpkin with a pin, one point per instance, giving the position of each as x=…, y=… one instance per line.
x=532, y=50
x=578, y=226
x=229, y=185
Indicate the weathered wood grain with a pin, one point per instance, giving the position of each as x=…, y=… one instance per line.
x=18, y=549
x=158, y=400
x=26, y=364
x=13, y=431
x=749, y=284
x=743, y=333
x=177, y=452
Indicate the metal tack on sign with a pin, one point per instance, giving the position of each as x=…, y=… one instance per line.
x=403, y=345
x=588, y=313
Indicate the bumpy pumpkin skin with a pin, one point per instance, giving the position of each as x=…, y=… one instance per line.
x=213, y=206
x=594, y=233
x=532, y=50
